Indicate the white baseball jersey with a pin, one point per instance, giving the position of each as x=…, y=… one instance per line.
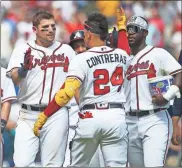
x=127, y=88
x=49, y=67
x=148, y=63
x=101, y=71
x=7, y=87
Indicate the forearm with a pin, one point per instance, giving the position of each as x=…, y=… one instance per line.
x=123, y=41
x=15, y=76
x=5, y=110
x=63, y=96
x=175, y=120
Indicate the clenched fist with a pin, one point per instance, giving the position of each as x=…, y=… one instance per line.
x=42, y=118
x=121, y=19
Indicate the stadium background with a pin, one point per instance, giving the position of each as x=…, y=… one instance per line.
x=165, y=29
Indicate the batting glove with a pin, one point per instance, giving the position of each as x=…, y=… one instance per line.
x=42, y=118
x=121, y=19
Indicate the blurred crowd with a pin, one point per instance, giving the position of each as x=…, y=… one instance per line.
x=164, y=19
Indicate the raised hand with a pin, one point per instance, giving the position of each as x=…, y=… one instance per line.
x=121, y=19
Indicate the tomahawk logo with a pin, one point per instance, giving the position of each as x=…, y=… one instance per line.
x=77, y=35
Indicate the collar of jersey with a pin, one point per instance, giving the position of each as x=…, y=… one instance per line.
x=96, y=49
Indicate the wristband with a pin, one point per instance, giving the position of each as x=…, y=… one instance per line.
x=3, y=125
x=22, y=72
x=171, y=93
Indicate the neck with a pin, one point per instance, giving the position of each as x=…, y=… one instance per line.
x=43, y=44
x=137, y=48
x=96, y=43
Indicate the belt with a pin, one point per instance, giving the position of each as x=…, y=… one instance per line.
x=102, y=106
x=144, y=113
x=33, y=108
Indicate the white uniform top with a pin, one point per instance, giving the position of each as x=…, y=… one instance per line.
x=101, y=71
x=7, y=87
x=148, y=63
x=49, y=69
x=127, y=89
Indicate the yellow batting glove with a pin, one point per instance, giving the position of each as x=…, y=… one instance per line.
x=121, y=19
x=42, y=118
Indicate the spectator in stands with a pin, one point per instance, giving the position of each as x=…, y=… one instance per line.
x=108, y=8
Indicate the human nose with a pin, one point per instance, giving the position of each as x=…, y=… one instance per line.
x=52, y=29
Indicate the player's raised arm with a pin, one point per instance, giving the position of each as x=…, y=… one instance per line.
x=122, y=35
x=20, y=64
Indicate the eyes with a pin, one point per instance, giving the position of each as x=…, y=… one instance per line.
x=78, y=46
x=46, y=27
x=133, y=29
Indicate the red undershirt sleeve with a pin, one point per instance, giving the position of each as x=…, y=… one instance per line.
x=123, y=41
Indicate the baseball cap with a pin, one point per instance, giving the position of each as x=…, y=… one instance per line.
x=77, y=35
x=138, y=21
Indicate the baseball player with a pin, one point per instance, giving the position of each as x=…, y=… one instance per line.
x=40, y=68
x=7, y=96
x=149, y=124
x=99, y=73
x=78, y=45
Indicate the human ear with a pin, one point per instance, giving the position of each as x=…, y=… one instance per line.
x=34, y=29
x=145, y=33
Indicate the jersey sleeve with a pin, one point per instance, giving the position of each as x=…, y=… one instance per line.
x=123, y=41
x=17, y=57
x=128, y=58
x=71, y=52
x=7, y=89
x=77, y=68
x=169, y=63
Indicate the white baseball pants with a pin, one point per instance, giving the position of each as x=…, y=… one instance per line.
x=149, y=139
x=52, y=142
x=107, y=128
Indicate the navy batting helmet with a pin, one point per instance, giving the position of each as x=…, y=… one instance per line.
x=76, y=35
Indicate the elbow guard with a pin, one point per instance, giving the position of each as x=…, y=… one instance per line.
x=64, y=95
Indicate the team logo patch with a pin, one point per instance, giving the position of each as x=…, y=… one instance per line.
x=78, y=35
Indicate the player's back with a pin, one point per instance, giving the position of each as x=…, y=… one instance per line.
x=101, y=70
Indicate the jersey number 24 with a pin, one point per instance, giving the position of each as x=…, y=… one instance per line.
x=115, y=79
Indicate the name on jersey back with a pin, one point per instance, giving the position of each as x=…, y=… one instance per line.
x=105, y=58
